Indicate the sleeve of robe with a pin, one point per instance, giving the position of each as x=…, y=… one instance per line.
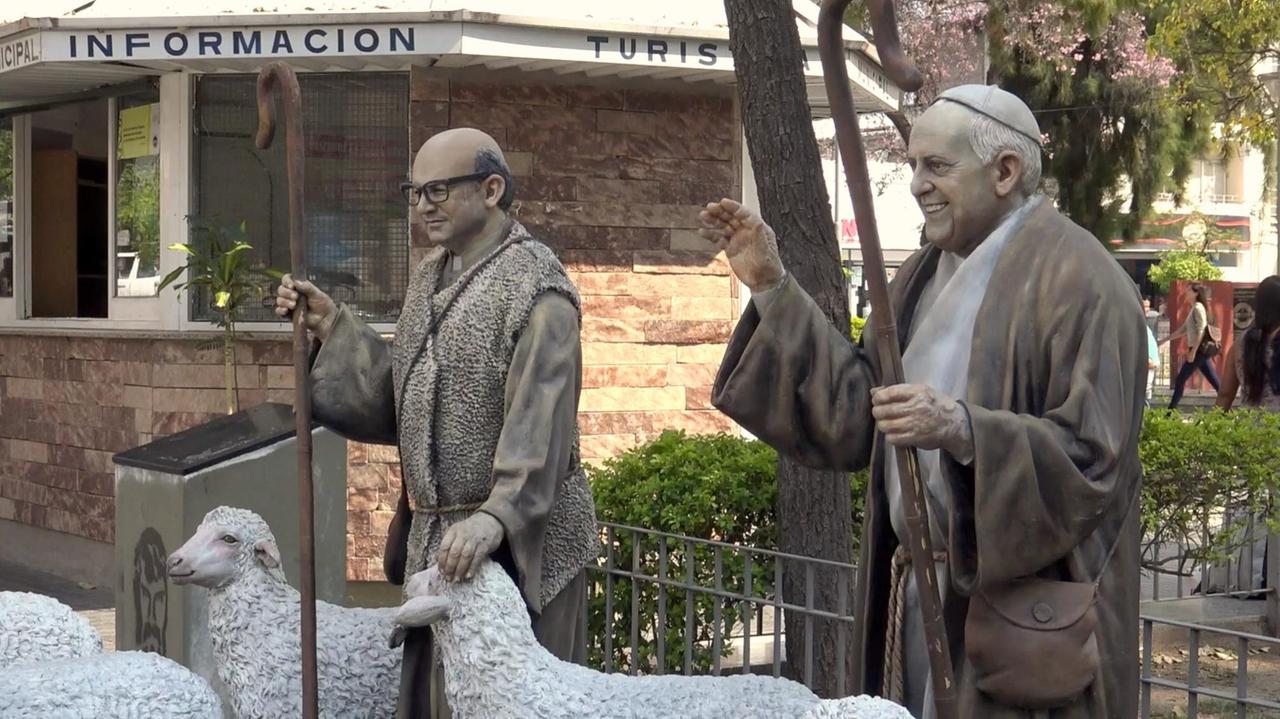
x=1040, y=485
x=797, y=383
x=535, y=447
x=351, y=385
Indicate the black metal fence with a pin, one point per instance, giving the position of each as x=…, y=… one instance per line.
x=665, y=603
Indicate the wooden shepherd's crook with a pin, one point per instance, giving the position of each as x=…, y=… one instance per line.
x=900, y=69
x=273, y=75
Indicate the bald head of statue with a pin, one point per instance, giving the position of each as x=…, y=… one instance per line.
x=975, y=157
x=461, y=188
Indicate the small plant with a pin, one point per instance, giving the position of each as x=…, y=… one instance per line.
x=218, y=263
x=1189, y=261
x=1182, y=264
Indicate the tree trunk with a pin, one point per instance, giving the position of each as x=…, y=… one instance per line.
x=814, y=513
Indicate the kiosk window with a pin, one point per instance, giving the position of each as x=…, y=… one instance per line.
x=357, y=153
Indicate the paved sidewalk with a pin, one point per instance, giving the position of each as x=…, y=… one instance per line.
x=97, y=604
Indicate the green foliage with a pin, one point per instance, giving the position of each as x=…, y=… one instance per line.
x=723, y=488
x=138, y=207
x=1106, y=133
x=1181, y=265
x=856, y=325
x=717, y=487
x=218, y=264
x=1217, y=46
x=1195, y=466
x=1189, y=260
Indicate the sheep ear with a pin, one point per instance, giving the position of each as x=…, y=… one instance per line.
x=267, y=554
x=419, y=584
x=423, y=611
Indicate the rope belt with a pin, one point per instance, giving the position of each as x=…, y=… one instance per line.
x=894, y=652
x=448, y=509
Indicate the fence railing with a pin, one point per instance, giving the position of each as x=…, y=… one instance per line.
x=663, y=603
x=1196, y=672
x=1239, y=568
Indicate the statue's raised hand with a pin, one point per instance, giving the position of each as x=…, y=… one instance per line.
x=747, y=241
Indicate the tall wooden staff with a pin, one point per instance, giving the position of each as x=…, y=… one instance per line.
x=277, y=74
x=900, y=69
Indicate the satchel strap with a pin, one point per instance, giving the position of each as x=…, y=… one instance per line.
x=1116, y=544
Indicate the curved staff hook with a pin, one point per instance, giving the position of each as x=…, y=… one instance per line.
x=278, y=74
x=900, y=69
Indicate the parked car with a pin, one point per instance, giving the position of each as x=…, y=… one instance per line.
x=134, y=280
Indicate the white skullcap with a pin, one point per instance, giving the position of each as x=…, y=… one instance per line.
x=999, y=105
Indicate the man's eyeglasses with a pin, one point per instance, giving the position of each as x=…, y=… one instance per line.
x=437, y=191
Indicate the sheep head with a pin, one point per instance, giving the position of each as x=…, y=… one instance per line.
x=229, y=542
x=488, y=599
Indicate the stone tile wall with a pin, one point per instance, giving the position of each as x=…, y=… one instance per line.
x=68, y=403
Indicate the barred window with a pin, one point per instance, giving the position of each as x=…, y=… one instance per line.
x=6, y=207
x=357, y=153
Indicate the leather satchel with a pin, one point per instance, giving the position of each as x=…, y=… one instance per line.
x=1033, y=641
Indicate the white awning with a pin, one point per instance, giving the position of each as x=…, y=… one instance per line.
x=45, y=57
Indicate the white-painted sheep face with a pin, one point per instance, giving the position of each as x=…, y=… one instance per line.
x=227, y=544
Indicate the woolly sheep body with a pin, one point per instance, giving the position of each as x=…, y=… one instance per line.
x=36, y=628
x=494, y=667
x=254, y=620
x=859, y=707
x=122, y=685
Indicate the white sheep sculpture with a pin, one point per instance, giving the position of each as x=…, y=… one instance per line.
x=254, y=620
x=137, y=685
x=36, y=628
x=494, y=667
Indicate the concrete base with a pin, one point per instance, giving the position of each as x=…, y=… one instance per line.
x=64, y=555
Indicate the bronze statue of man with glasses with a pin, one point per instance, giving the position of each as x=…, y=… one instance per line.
x=479, y=389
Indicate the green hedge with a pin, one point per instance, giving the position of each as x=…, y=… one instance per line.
x=1195, y=465
x=719, y=487
x=724, y=487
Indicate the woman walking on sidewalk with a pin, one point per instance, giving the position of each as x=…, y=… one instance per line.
x=1195, y=328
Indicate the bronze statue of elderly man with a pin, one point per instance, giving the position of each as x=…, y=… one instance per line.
x=1024, y=366
x=480, y=391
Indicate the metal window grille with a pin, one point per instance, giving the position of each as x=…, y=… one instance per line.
x=6, y=207
x=357, y=152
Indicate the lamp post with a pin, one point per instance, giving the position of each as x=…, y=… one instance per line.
x=1272, y=82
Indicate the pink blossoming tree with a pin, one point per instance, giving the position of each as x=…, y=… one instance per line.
x=1115, y=134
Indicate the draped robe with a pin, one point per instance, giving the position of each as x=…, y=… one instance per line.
x=1054, y=395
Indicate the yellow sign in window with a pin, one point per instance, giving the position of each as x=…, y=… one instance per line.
x=136, y=133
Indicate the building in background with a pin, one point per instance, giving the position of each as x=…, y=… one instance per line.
x=1225, y=201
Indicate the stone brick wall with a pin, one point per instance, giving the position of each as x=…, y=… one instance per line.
x=611, y=178
x=68, y=403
